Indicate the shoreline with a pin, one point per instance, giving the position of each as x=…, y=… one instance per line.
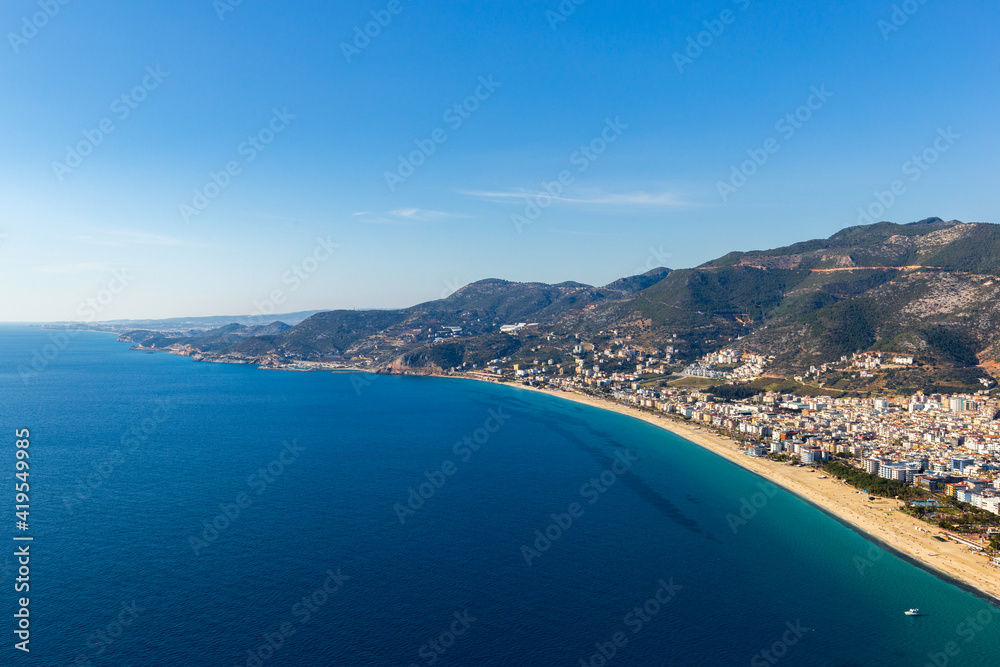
x=877, y=521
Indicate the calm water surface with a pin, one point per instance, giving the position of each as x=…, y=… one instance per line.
x=198, y=514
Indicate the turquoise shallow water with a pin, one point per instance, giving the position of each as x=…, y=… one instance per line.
x=396, y=527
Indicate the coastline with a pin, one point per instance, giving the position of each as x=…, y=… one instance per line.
x=878, y=521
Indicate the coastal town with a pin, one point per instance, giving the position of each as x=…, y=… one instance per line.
x=918, y=470
x=940, y=452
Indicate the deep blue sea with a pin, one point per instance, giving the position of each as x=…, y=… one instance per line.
x=189, y=513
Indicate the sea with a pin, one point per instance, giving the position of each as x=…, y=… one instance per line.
x=186, y=513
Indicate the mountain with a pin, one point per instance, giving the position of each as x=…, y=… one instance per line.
x=931, y=243
x=193, y=324
x=640, y=282
x=213, y=339
x=928, y=289
x=487, y=304
x=882, y=286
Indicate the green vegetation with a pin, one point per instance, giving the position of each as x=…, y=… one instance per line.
x=846, y=327
x=859, y=283
x=875, y=485
x=976, y=253
x=443, y=355
x=784, y=386
x=954, y=345
x=693, y=383
x=693, y=296
x=476, y=351
x=337, y=330
x=963, y=517
x=730, y=392
x=856, y=242
x=805, y=304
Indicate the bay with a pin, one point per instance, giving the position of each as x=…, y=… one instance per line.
x=392, y=521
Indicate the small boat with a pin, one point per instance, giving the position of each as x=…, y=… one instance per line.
x=912, y=612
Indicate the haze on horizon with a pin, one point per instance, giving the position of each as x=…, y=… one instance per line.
x=205, y=157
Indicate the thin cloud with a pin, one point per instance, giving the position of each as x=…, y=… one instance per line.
x=422, y=214
x=632, y=199
x=658, y=200
x=406, y=216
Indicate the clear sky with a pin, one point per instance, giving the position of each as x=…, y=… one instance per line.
x=114, y=117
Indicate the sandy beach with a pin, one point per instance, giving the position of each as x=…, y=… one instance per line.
x=876, y=518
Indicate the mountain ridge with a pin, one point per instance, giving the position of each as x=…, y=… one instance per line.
x=926, y=288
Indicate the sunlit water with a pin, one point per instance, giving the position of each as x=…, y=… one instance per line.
x=198, y=514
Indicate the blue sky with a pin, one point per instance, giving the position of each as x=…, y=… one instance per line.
x=639, y=120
